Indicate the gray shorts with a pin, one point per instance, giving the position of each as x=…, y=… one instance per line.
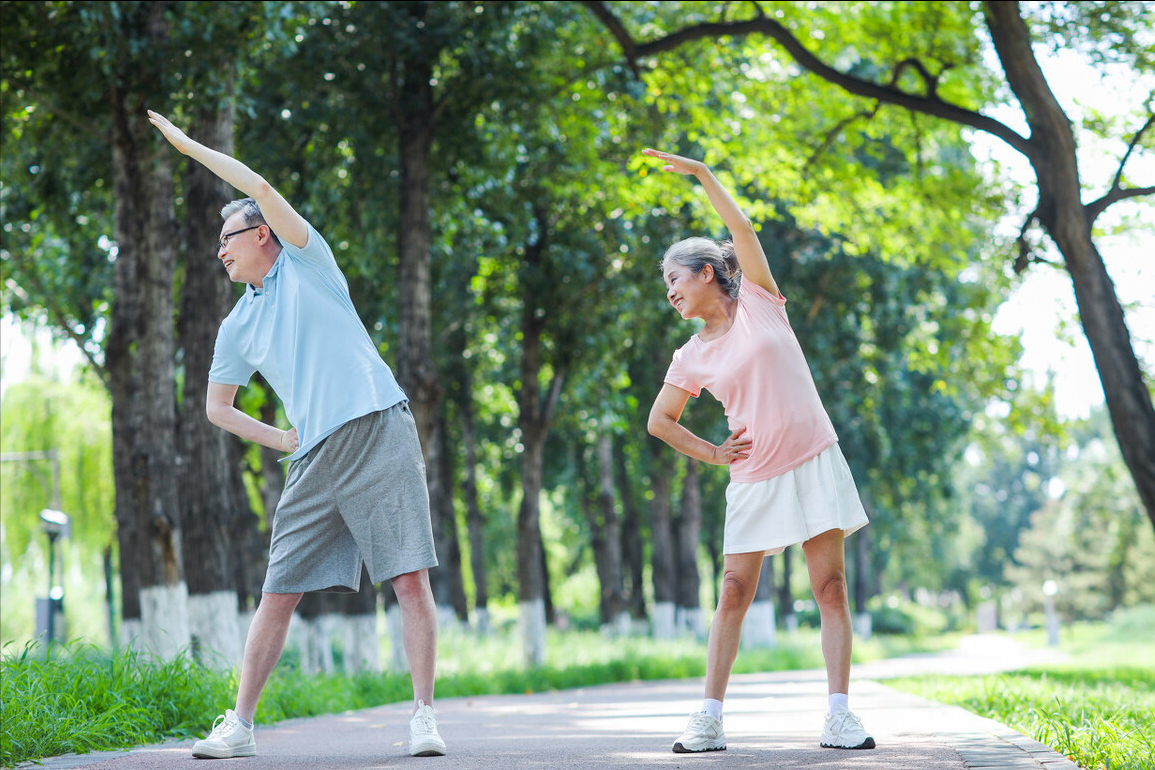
x=359, y=495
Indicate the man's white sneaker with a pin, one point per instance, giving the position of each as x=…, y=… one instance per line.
x=229, y=738
x=703, y=733
x=423, y=738
x=843, y=730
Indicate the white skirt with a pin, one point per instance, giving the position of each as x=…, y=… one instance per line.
x=817, y=496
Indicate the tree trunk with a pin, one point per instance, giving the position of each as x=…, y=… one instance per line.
x=663, y=554
x=1061, y=212
x=613, y=592
x=689, y=605
x=530, y=575
x=416, y=370
x=633, y=557
x=209, y=508
x=785, y=595
x=474, y=515
x=535, y=411
x=447, y=536
x=139, y=357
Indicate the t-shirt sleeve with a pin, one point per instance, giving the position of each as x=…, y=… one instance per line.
x=228, y=368
x=680, y=376
x=754, y=292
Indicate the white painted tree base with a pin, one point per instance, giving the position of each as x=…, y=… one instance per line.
x=863, y=625
x=164, y=621
x=481, y=622
x=689, y=620
x=318, y=652
x=758, y=628
x=663, y=621
x=447, y=618
x=215, y=630
x=532, y=618
x=130, y=631
x=622, y=625
x=362, y=644
x=398, y=661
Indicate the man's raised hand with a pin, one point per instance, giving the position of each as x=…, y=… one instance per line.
x=174, y=135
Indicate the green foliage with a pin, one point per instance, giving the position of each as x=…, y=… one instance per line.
x=1089, y=533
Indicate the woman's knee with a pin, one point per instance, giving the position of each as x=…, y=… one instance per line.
x=830, y=592
x=737, y=592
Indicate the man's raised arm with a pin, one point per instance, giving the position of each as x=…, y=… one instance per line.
x=289, y=226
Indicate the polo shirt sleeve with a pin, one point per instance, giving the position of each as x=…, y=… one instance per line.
x=680, y=375
x=318, y=255
x=228, y=368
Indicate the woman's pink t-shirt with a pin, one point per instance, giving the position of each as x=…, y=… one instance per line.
x=758, y=372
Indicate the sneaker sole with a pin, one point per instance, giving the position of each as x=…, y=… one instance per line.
x=427, y=750
x=867, y=744
x=681, y=749
x=243, y=751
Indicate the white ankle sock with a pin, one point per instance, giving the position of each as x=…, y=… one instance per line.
x=713, y=708
x=247, y=725
x=839, y=699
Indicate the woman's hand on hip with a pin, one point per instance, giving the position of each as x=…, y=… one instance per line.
x=736, y=447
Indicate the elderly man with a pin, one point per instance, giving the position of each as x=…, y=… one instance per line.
x=355, y=489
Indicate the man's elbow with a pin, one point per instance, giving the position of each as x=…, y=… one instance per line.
x=213, y=413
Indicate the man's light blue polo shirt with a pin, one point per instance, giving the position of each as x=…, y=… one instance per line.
x=301, y=332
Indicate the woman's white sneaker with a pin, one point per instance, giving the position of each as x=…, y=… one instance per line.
x=423, y=738
x=703, y=733
x=843, y=730
x=229, y=738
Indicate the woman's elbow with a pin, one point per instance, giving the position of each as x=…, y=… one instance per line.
x=655, y=423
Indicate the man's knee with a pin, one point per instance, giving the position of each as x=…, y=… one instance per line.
x=279, y=604
x=412, y=586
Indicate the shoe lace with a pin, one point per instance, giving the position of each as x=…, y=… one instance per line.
x=700, y=721
x=424, y=721
x=844, y=719
x=221, y=725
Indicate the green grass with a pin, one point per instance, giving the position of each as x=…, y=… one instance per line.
x=1098, y=708
x=82, y=699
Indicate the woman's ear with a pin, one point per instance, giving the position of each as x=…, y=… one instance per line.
x=707, y=273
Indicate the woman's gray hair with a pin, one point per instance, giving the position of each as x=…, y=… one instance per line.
x=252, y=212
x=696, y=253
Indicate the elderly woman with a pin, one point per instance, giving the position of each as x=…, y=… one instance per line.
x=789, y=482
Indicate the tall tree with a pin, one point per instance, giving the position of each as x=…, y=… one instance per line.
x=925, y=72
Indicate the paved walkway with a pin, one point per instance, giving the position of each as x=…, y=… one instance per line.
x=772, y=720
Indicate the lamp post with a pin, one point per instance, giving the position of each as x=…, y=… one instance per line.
x=56, y=525
x=1050, y=588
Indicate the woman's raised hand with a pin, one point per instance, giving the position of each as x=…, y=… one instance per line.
x=676, y=163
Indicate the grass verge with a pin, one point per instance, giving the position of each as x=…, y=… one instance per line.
x=1098, y=709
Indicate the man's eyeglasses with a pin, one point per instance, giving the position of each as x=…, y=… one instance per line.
x=225, y=238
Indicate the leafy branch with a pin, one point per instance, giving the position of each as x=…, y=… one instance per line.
x=888, y=94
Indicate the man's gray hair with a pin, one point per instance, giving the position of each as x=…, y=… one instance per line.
x=252, y=212
x=696, y=253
